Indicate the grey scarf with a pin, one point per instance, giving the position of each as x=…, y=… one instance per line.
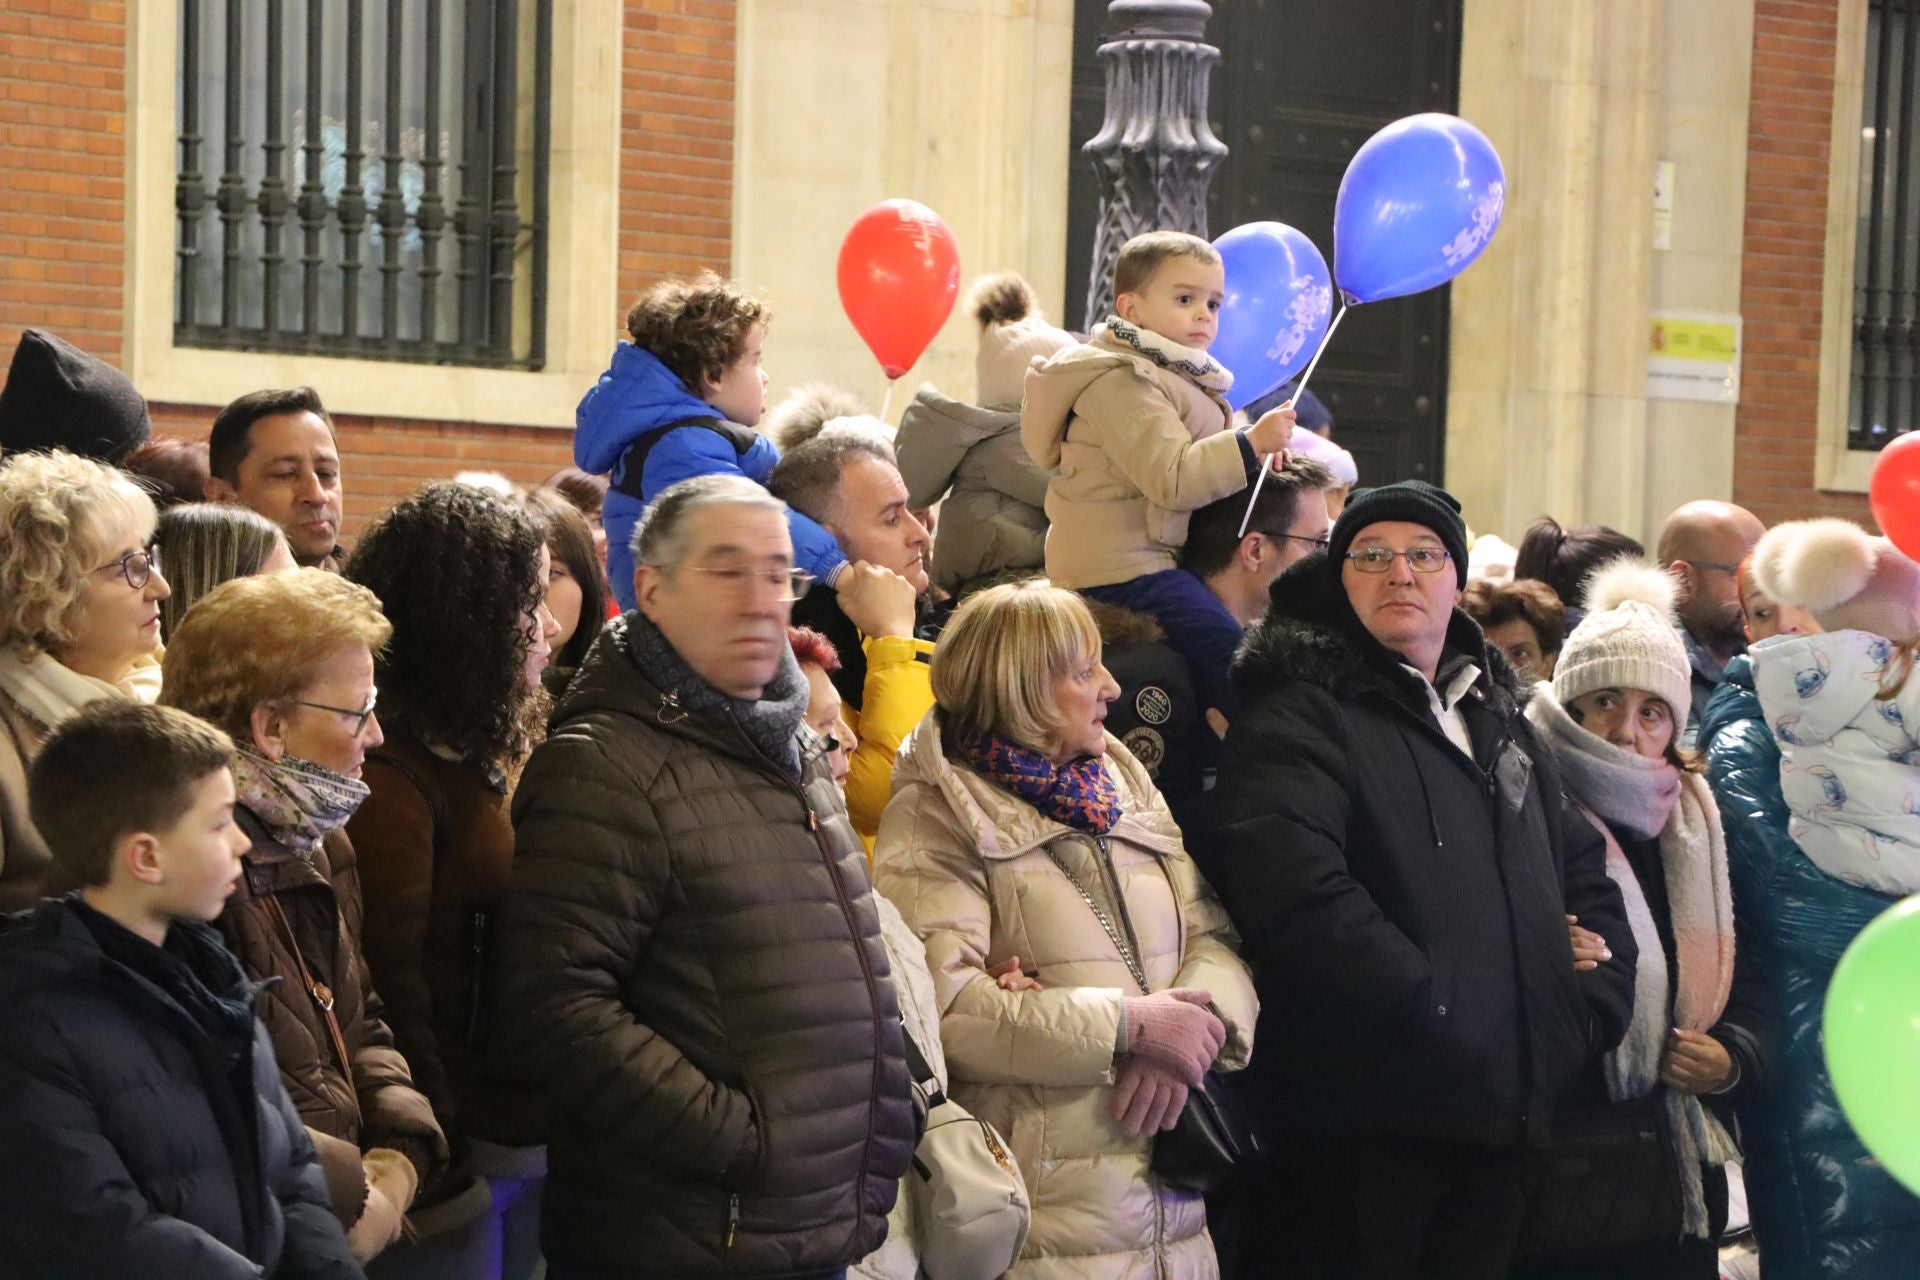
x=772, y=722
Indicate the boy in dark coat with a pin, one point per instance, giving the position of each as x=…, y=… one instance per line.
x=145, y=1127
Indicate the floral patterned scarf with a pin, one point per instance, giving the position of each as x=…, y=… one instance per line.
x=300, y=802
x=1081, y=794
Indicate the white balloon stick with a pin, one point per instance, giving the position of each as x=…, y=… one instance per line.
x=1266, y=461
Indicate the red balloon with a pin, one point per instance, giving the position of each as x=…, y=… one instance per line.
x=899, y=275
x=1895, y=493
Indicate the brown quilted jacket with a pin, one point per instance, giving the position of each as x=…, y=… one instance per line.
x=697, y=977
x=375, y=1105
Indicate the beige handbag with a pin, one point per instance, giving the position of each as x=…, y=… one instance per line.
x=970, y=1205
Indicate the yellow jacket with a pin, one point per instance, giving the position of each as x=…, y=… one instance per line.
x=897, y=695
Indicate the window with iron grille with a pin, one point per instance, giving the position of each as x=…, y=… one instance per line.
x=1886, y=374
x=365, y=178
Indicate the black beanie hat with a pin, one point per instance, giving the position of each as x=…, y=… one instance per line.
x=59, y=397
x=1414, y=501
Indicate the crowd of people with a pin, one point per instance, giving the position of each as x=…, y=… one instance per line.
x=605, y=880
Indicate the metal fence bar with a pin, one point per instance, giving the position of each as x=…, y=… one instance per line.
x=1872, y=329
x=431, y=216
x=393, y=201
x=1900, y=356
x=313, y=204
x=352, y=204
x=542, y=150
x=231, y=198
x=274, y=203
x=189, y=187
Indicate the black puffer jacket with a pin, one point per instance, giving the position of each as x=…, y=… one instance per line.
x=1402, y=906
x=143, y=1137
x=698, y=981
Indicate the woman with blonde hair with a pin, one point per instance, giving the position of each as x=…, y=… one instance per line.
x=80, y=595
x=284, y=663
x=1022, y=837
x=207, y=543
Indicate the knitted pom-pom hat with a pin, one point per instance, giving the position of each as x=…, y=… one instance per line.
x=1012, y=333
x=1628, y=639
x=1847, y=579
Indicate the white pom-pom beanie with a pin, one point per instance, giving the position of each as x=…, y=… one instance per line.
x=1627, y=640
x=1847, y=579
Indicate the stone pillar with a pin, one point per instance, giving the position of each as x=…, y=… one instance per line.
x=1155, y=153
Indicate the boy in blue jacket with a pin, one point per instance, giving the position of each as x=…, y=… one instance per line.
x=680, y=401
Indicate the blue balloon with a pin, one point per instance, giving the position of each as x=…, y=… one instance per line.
x=1417, y=205
x=1279, y=300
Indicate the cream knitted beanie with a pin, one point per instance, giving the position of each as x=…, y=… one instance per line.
x=1627, y=640
x=1012, y=333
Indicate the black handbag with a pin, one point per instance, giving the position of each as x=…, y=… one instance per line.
x=1608, y=1181
x=1213, y=1142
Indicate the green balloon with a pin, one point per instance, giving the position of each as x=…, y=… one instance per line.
x=1872, y=1029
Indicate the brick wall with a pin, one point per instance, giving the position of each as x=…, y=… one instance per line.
x=1784, y=262
x=62, y=212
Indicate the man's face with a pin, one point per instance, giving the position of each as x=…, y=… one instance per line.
x=1306, y=535
x=724, y=606
x=740, y=392
x=871, y=521
x=1406, y=611
x=291, y=475
x=1180, y=301
x=1710, y=599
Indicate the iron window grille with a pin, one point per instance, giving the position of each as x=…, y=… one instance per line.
x=383, y=184
x=1886, y=370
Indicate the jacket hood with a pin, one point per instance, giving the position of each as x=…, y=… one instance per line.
x=1120, y=626
x=634, y=396
x=935, y=410
x=1311, y=633
x=1815, y=686
x=1734, y=701
x=1005, y=826
x=1053, y=389
x=50, y=943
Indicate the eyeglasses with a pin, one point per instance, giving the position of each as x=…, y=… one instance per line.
x=1380, y=559
x=360, y=717
x=791, y=583
x=1322, y=542
x=1715, y=565
x=137, y=567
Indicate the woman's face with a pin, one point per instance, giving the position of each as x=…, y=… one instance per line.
x=1519, y=644
x=539, y=628
x=1765, y=619
x=1081, y=697
x=324, y=725
x=117, y=623
x=824, y=718
x=564, y=598
x=1631, y=719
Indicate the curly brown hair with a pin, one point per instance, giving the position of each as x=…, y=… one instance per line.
x=696, y=327
x=457, y=570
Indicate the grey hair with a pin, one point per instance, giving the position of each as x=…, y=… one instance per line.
x=808, y=477
x=660, y=535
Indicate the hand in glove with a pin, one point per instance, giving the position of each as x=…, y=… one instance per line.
x=391, y=1182
x=1147, y=1097
x=1176, y=1029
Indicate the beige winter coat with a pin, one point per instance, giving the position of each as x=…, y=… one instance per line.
x=967, y=863
x=1133, y=448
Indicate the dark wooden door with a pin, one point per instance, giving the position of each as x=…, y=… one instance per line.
x=1301, y=84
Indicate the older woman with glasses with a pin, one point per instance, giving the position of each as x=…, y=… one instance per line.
x=80, y=593
x=284, y=663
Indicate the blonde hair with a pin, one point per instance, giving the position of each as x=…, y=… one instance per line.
x=1141, y=256
x=59, y=515
x=998, y=659
x=203, y=544
x=260, y=640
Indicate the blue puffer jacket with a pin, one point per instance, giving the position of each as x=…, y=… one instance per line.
x=637, y=395
x=1822, y=1207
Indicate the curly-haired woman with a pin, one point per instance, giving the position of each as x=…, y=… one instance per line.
x=463, y=575
x=80, y=593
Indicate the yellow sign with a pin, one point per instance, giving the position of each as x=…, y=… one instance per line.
x=1679, y=339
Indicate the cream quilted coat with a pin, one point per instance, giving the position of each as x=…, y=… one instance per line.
x=967, y=863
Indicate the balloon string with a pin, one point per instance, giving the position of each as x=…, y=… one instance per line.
x=886, y=403
x=1266, y=462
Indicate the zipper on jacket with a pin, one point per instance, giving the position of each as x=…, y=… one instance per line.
x=733, y=1218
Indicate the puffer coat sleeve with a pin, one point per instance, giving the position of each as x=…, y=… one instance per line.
x=1060, y=1036
x=592, y=877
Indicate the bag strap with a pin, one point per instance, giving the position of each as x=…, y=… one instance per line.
x=919, y=1068
x=321, y=993
x=1106, y=922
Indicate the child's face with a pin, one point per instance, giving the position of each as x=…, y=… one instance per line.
x=199, y=855
x=1180, y=301
x=740, y=393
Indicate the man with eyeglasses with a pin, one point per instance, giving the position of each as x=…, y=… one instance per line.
x=1702, y=545
x=696, y=972
x=1394, y=845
